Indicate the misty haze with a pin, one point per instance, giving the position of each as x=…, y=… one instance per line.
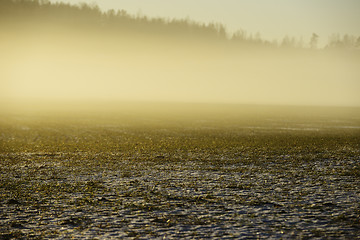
x=62, y=52
x=115, y=125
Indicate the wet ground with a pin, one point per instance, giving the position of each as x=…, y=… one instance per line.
x=103, y=181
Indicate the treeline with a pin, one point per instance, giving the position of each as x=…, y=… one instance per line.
x=85, y=16
x=42, y=12
x=345, y=41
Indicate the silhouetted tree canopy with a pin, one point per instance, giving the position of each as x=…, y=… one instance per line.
x=43, y=14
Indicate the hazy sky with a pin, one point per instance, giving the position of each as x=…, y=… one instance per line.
x=272, y=19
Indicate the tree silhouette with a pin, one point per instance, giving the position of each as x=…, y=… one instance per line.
x=85, y=17
x=314, y=41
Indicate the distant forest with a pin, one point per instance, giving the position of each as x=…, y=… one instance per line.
x=42, y=13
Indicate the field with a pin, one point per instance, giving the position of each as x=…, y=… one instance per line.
x=172, y=172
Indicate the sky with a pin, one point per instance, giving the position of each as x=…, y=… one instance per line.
x=272, y=19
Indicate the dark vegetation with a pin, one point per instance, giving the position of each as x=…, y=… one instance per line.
x=26, y=14
x=251, y=175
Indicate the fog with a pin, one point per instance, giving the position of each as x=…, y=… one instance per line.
x=154, y=71
x=46, y=61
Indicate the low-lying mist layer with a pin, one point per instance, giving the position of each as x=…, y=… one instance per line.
x=57, y=52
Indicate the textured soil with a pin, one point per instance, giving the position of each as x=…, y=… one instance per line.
x=101, y=180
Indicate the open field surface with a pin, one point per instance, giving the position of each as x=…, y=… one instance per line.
x=190, y=174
